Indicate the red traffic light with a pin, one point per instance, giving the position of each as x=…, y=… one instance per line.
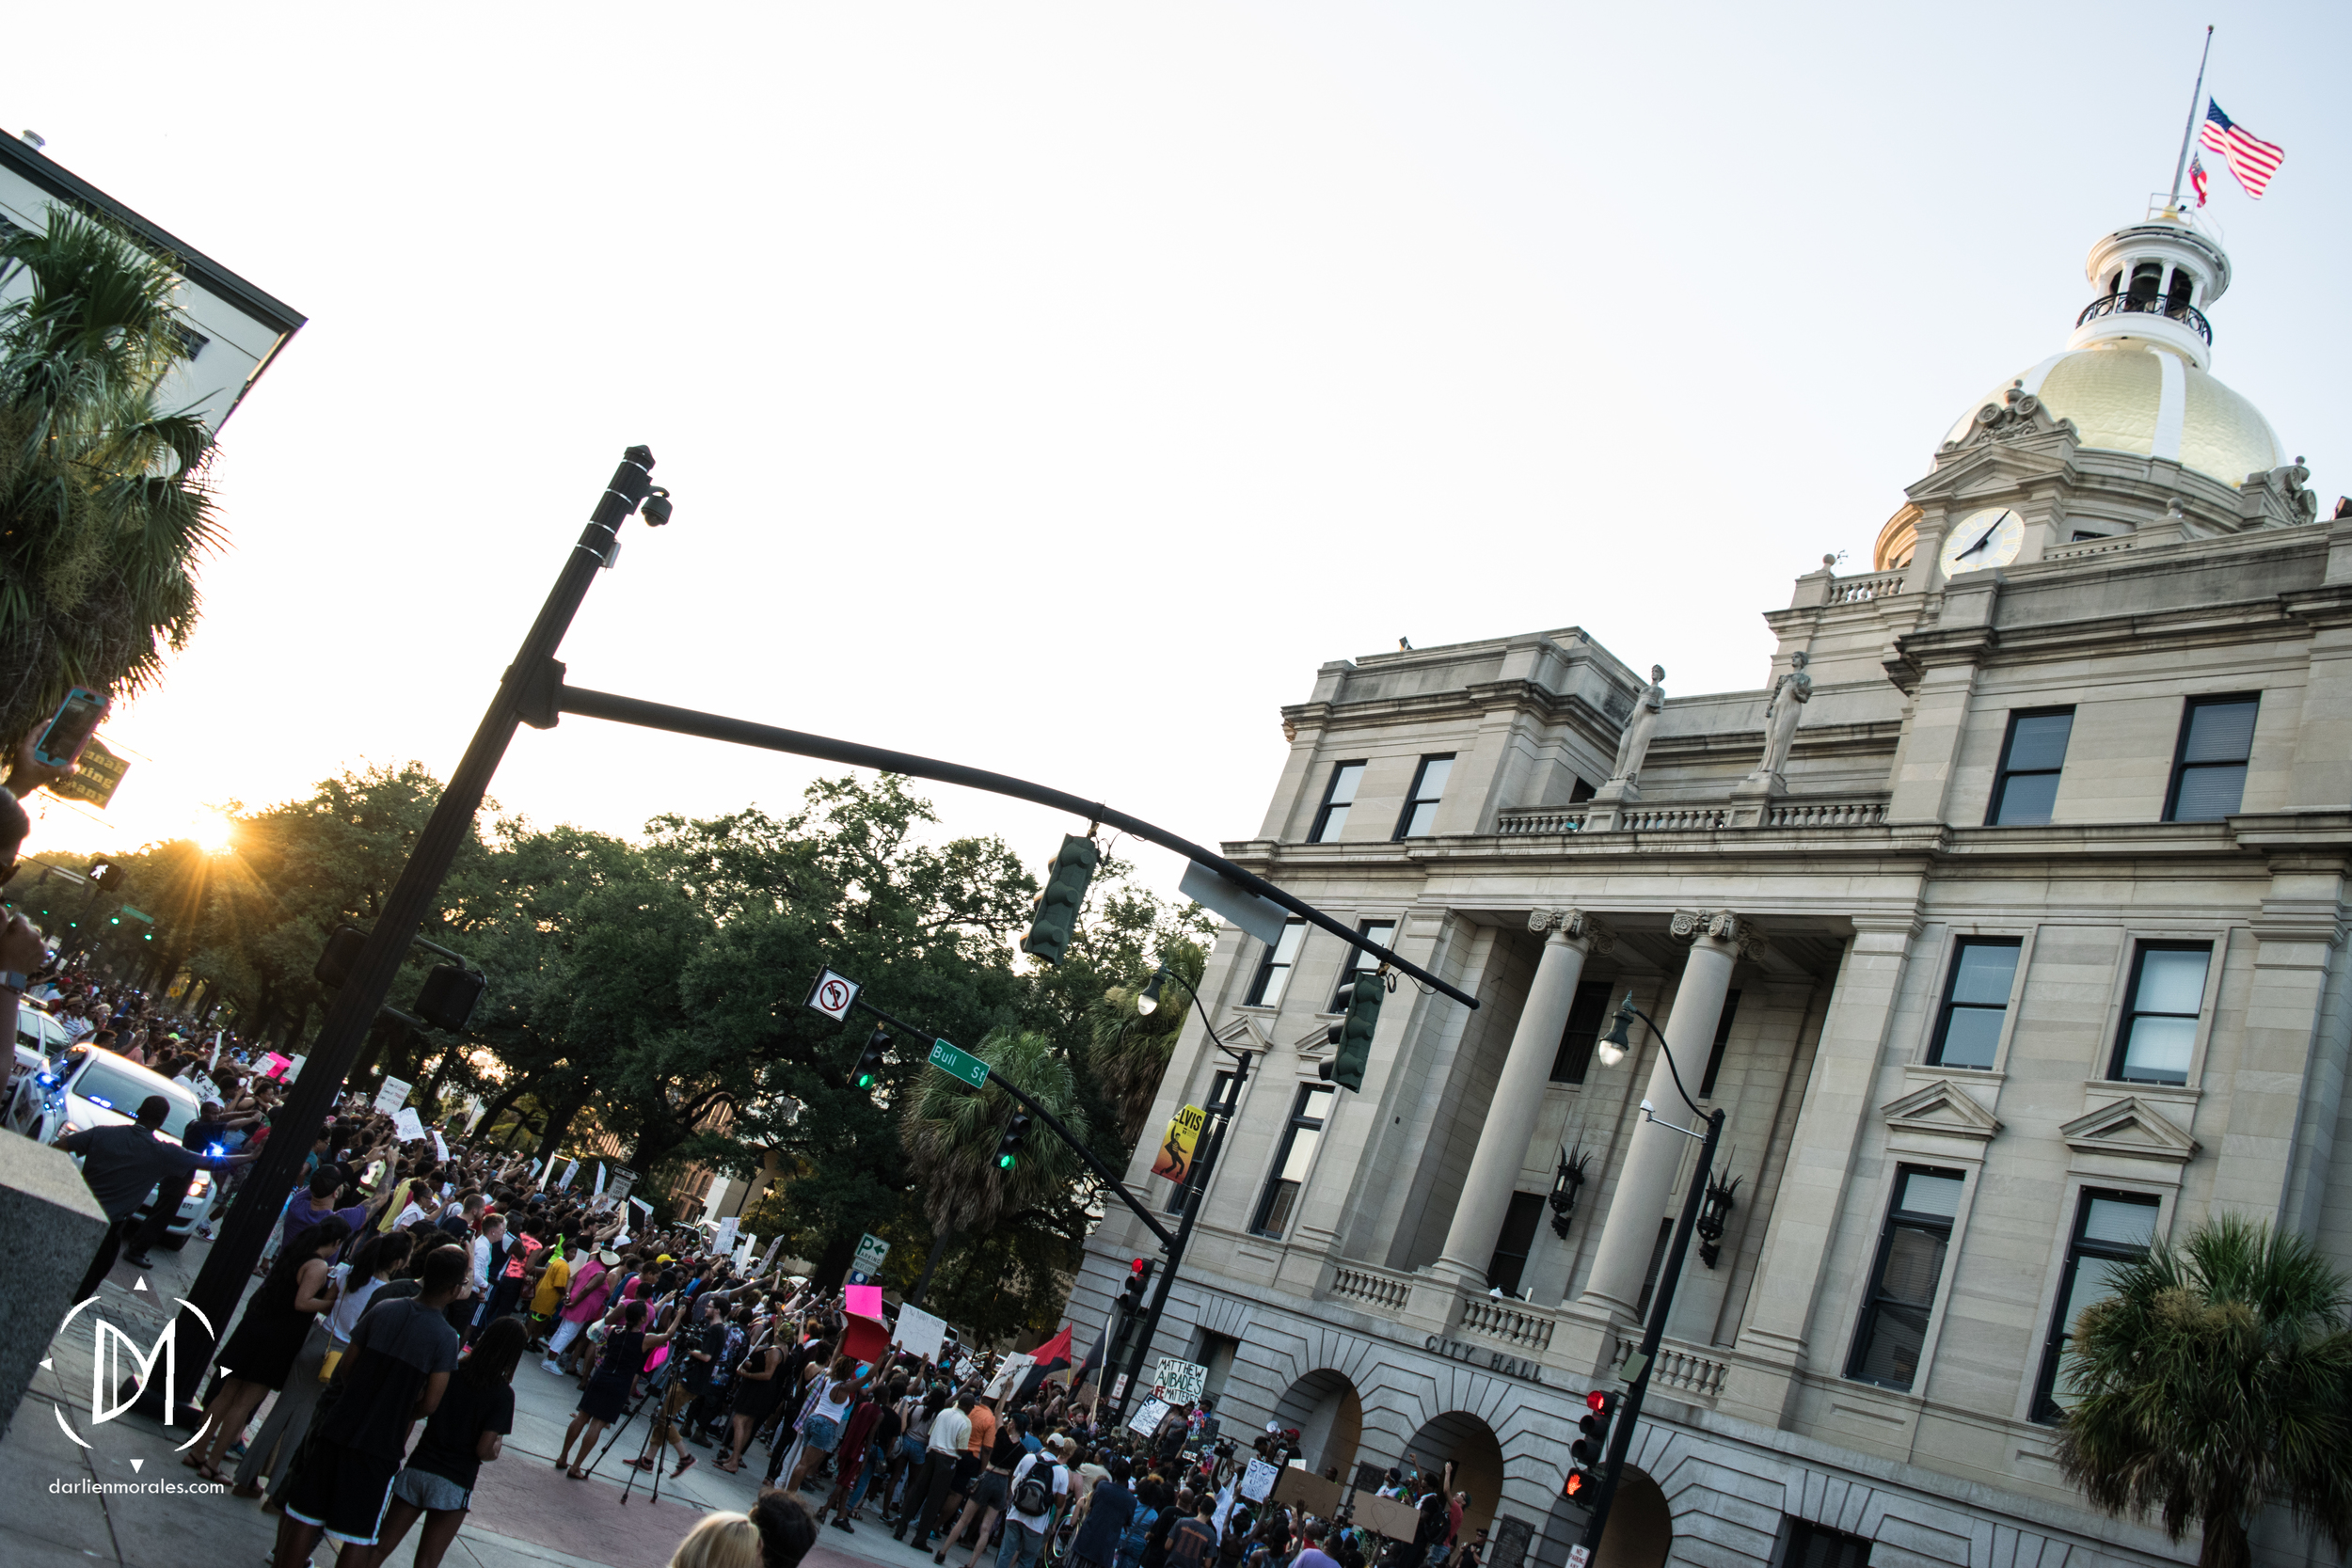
x=1576, y=1484
x=1136, y=1267
x=1596, y=1400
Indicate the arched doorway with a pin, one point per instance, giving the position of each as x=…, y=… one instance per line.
x=1329, y=1417
x=1641, y=1527
x=1470, y=1443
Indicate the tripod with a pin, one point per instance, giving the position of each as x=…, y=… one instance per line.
x=657, y=1433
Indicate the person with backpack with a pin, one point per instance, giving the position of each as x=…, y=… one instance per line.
x=1039, y=1482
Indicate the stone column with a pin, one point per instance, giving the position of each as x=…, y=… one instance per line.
x=1653, y=1153
x=1519, y=1098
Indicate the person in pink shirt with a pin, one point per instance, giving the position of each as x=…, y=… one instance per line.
x=585, y=1303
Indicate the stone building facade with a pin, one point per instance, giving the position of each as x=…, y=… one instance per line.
x=2005, y=921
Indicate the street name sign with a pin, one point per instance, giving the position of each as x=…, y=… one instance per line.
x=959, y=1064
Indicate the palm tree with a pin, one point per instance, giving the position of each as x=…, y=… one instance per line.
x=951, y=1132
x=103, y=510
x=2214, y=1383
x=1129, y=1050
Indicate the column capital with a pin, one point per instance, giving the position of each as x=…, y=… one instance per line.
x=1737, y=932
x=1574, y=926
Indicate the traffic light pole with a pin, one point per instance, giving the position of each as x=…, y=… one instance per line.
x=1196, y=1183
x=1662, y=1303
x=213, y=1299
x=712, y=726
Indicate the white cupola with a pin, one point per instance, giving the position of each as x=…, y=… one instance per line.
x=2152, y=282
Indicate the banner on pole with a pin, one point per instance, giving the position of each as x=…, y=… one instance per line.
x=1184, y=1136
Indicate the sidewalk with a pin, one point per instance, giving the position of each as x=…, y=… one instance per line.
x=526, y=1513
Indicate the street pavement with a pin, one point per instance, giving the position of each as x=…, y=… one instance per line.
x=526, y=1513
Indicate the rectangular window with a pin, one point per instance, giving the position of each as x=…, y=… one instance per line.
x=1586, y=1015
x=191, y=341
x=1902, y=1281
x=1421, y=806
x=2167, y=992
x=1274, y=970
x=2109, y=1228
x=1504, y=1271
x=1219, y=1089
x=2024, y=787
x=1337, y=795
x=1291, y=1162
x=1976, y=999
x=2209, y=764
x=1812, y=1546
x=1722, y=1039
x=1360, y=962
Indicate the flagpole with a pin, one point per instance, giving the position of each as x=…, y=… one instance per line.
x=2196, y=98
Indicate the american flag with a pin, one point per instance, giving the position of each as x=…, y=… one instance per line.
x=2250, y=158
x=2197, y=177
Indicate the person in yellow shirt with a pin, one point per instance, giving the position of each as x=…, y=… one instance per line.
x=555, y=1277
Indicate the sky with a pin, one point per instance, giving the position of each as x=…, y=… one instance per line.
x=1053, y=388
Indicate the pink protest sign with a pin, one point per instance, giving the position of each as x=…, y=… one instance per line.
x=278, y=1065
x=863, y=1300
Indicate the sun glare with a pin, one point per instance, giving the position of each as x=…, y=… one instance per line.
x=212, y=829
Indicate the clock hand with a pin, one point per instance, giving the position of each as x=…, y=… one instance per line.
x=1981, y=538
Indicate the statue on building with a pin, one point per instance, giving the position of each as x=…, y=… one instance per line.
x=1789, y=696
x=1633, y=745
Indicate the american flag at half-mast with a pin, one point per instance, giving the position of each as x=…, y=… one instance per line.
x=2250, y=158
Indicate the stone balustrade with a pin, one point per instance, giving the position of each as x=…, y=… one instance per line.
x=1544, y=819
x=1375, y=1288
x=1689, y=1373
x=1673, y=819
x=1517, y=1324
x=1862, y=589
x=2089, y=547
x=1801, y=812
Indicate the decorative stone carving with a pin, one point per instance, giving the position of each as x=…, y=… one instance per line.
x=2130, y=1126
x=1941, y=1110
x=1576, y=926
x=2019, y=414
x=1724, y=926
x=1633, y=745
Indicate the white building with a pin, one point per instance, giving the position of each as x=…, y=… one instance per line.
x=235, y=330
x=2032, y=948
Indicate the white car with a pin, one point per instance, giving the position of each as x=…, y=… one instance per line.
x=92, y=1087
x=40, y=1040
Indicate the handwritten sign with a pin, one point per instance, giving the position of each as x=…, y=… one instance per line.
x=1257, y=1483
x=392, y=1095
x=410, y=1125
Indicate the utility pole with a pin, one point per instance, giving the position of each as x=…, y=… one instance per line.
x=213, y=1296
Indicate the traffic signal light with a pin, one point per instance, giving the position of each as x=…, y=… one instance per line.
x=104, y=876
x=1590, y=1448
x=1056, y=907
x=870, y=1061
x=446, y=1001
x=1138, y=1280
x=1009, y=1146
x=1351, y=1036
x=336, y=959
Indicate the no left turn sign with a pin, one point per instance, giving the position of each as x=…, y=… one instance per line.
x=833, y=995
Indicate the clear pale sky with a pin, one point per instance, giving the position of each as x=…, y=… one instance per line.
x=1053, y=388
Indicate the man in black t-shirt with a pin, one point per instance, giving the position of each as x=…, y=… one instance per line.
x=394, y=1373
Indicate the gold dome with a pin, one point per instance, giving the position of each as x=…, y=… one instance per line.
x=2126, y=397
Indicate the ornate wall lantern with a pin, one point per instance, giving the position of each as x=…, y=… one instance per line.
x=1714, y=1214
x=1566, y=1183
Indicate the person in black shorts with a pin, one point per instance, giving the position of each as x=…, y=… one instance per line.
x=464, y=1433
x=398, y=1367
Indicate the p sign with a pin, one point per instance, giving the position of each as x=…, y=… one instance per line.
x=833, y=995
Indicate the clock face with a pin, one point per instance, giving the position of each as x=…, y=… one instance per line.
x=1987, y=538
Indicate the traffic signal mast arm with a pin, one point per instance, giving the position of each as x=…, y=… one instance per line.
x=554, y=698
x=1051, y=1120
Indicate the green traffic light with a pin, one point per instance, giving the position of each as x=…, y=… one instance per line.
x=1005, y=1162
x=865, y=1080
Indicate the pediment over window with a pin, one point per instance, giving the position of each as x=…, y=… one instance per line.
x=2130, y=1126
x=1244, y=1034
x=1942, y=1108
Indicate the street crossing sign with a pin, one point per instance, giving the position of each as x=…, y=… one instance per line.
x=959, y=1064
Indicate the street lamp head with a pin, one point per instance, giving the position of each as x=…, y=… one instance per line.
x=1611, y=1047
x=1148, y=1003
x=656, y=509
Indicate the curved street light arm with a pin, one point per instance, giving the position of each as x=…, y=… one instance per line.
x=1695, y=1109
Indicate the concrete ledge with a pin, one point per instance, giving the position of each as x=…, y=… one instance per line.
x=42, y=1195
